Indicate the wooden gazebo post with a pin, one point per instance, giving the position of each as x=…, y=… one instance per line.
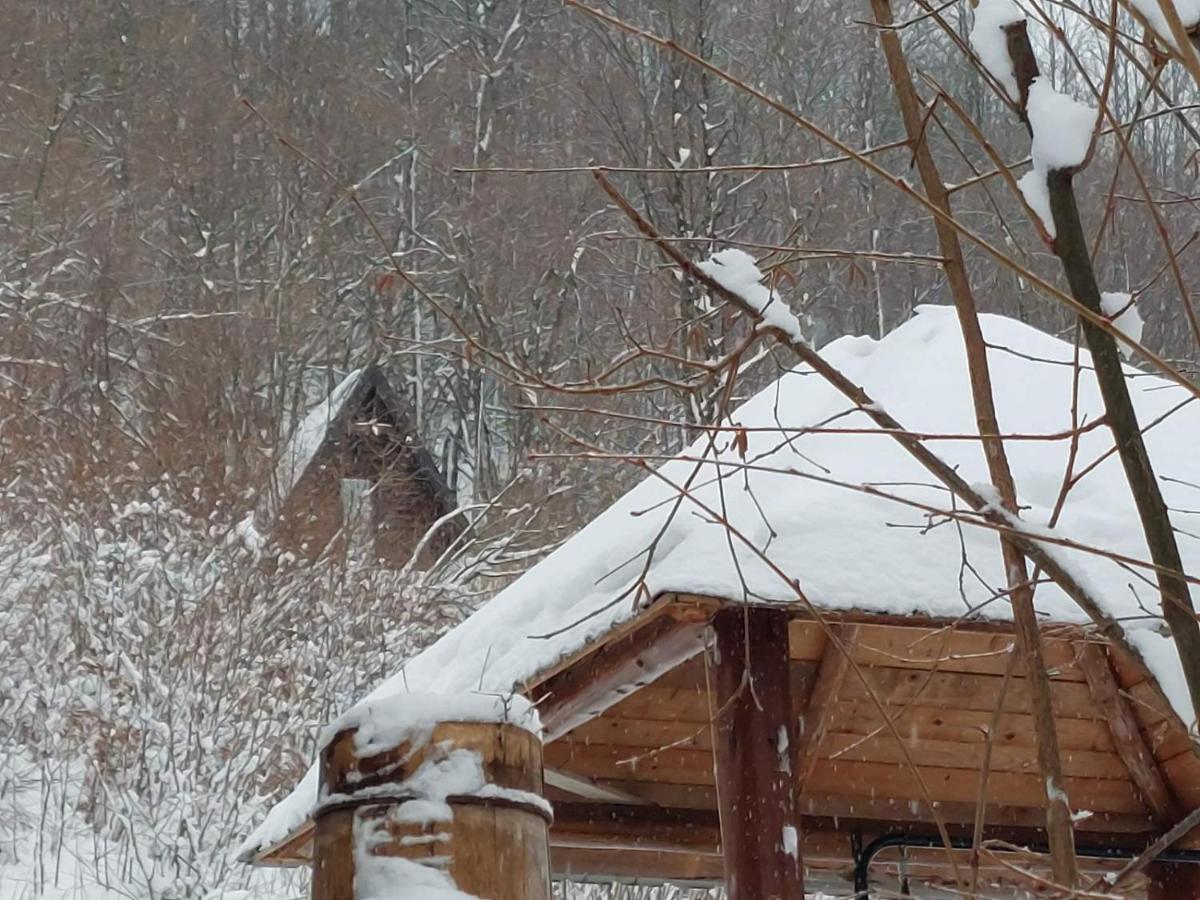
x=755, y=749
x=458, y=807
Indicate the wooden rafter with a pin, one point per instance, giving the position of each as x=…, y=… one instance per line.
x=633, y=827
x=1127, y=737
x=618, y=668
x=814, y=721
x=294, y=850
x=607, y=865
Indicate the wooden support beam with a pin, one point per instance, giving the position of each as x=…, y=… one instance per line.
x=333, y=839
x=607, y=675
x=1127, y=737
x=814, y=721
x=672, y=830
x=1128, y=830
x=615, y=825
x=603, y=865
x=755, y=750
x=586, y=788
x=1172, y=882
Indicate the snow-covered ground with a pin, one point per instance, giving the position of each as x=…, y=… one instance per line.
x=51, y=847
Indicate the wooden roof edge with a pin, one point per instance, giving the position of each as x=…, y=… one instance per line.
x=666, y=632
x=1144, y=769
x=860, y=616
x=647, y=613
x=1121, y=661
x=1103, y=673
x=289, y=852
x=698, y=609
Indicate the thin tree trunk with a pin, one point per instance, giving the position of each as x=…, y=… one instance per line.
x=1070, y=246
x=1058, y=812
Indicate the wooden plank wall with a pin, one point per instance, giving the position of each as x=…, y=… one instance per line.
x=940, y=686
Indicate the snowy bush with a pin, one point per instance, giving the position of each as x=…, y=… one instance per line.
x=161, y=681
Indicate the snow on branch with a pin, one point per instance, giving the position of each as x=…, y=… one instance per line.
x=1122, y=309
x=990, y=42
x=1037, y=195
x=736, y=271
x=1062, y=130
x=1062, y=127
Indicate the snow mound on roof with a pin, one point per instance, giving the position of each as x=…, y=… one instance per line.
x=847, y=549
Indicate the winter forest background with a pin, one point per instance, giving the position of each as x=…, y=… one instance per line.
x=183, y=274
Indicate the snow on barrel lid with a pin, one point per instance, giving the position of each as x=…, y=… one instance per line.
x=384, y=723
x=792, y=485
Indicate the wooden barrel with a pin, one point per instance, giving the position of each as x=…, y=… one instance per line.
x=462, y=809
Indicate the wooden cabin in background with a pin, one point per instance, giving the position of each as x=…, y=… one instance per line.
x=355, y=476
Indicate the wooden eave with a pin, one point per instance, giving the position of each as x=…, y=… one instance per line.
x=628, y=754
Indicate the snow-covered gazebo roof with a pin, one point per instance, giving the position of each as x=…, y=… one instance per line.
x=790, y=485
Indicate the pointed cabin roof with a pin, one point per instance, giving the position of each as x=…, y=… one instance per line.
x=364, y=392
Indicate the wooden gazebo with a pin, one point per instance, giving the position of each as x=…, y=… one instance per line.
x=842, y=728
x=641, y=728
